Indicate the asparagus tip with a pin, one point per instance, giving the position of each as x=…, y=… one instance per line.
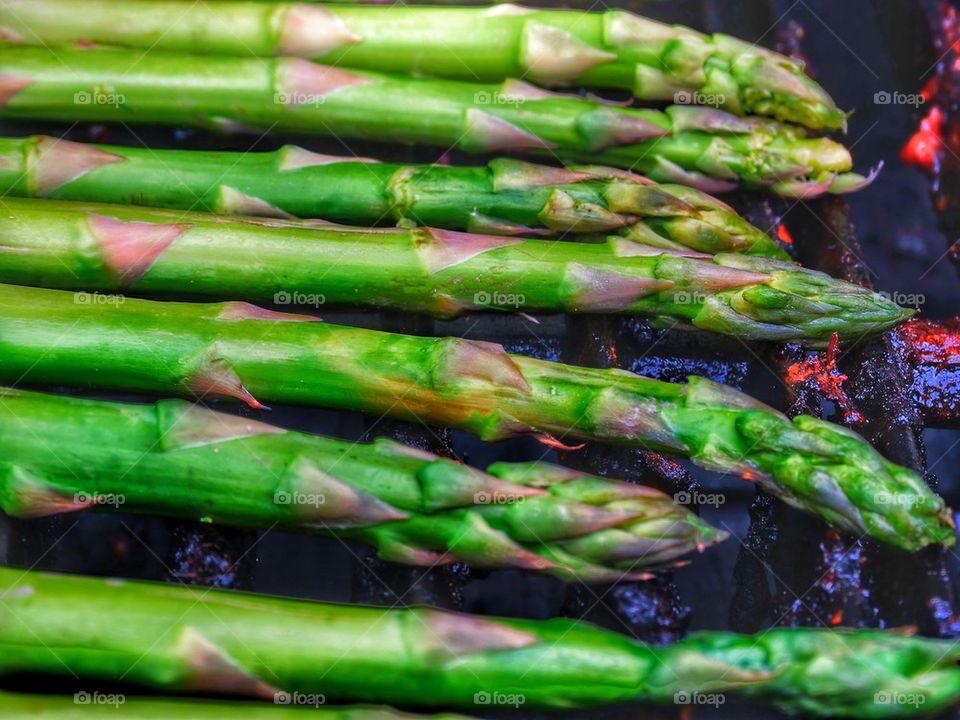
x=310, y=31
x=130, y=248
x=10, y=85
x=60, y=161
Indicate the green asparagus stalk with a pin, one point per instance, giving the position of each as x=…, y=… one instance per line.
x=242, y=351
x=611, y=49
x=177, y=459
x=440, y=272
x=175, y=638
x=87, y=705
x=702, y=147
x=506, y=197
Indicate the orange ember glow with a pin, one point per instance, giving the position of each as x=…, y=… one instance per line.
x=929, y=91
x=925, y=145
x=933, y=343
x=551, y=442
x=821, y=371
x=784, y=235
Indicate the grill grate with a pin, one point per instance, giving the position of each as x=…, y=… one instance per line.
x=790, y=569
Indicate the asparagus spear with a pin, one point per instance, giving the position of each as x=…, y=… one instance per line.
x=703, y=147
x=506, y=197
x=175, y=638
x=444, y=273
x=174, y=458
x=86, y=705
x=242, y=351
x=611, y=49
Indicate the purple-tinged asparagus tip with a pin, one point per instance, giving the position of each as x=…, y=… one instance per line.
x=690, y=117
x=586, y=519
x=618, y=128
x=440, y=249
x=458, y=636
x=624, y=247
x=30, y=497
x=231, y=201
x=129, y=249
x=852, y=182
x=447, y=306
x=666, y=171
x=552, y=55
x=213, y=670
x=216, y=377
x=595, y=290
x=237, y=310
x=518, y=175
x=602, y=171
x=343, y=504
x=488, y=133
x=10, y=85
x=485, y=225
x=301, y=82
x=309, y=31
x=61, y=161
x=520, y=90
x=185, y=425
x=293, y=157
x=483, y=361
x=803, y=189
x=393, y=551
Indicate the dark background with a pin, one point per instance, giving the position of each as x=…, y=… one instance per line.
x=781, y=568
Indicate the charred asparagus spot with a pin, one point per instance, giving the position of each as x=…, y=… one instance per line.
x=505, y=197
x=244, y=352
x=171, y=639
x=702, y=147
x=439, y=272
x=610, y=49
x=181, y=460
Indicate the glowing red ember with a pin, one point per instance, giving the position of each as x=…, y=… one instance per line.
x=784, y=235
x=551, y=442
x=820, y=371
x=926, y=144
x=934, y=343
